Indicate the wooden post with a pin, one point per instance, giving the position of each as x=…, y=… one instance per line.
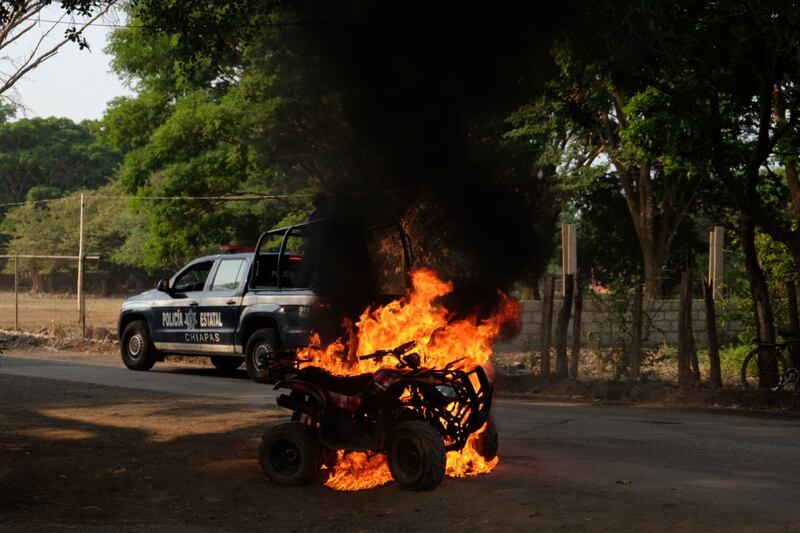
x=562, y=364
x=684, y=371
x=81, y=258
x=547, y=323
x=636, y=333
x=569, y=254
x=715, y=373
x=716, y=243
x=576, y=328
x=16, y=293
x=690, y=343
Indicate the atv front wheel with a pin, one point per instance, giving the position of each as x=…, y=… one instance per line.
x=487, y=442
x=290, y=454
x=417, y=456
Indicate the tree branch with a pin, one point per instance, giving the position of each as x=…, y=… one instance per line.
x=34, y=61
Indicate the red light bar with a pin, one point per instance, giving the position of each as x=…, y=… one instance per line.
x=233, y=248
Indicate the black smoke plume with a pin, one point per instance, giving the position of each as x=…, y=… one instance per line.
x=421, y=92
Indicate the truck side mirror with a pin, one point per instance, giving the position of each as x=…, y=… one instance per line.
x=163, y=285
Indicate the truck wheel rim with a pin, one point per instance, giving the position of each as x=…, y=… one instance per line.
x=135, y=345
x=260, y=350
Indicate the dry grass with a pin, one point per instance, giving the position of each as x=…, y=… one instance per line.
x=39, y=311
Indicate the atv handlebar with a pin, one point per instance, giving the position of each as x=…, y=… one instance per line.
x=397, y=352
x=410, y=360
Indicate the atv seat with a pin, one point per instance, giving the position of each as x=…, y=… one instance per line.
x=347, y=385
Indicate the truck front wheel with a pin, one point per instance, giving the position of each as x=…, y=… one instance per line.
x=259, y=346
x=137, y=352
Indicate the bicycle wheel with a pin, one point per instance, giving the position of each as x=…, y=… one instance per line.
x=750, y=359
x=751, y=371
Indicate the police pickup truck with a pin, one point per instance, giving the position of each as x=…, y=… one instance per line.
x=231, y=307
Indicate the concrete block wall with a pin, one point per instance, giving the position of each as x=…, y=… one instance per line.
x=602, y=327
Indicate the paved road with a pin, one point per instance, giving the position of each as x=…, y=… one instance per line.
x=730, y=466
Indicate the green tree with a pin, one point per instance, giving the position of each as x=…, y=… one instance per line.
x=193, y=138
x=602, y=124
x=730, y=71
x=46, y=157
x=112, y=231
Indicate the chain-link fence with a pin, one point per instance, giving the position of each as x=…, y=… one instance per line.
x=40, y=294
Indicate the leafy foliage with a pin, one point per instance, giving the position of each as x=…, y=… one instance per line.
x=51, y=229
x=55, y=155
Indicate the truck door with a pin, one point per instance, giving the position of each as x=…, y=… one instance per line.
x=175, y=316
x=220, y=305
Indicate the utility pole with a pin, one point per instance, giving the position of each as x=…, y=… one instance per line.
x=81, y=301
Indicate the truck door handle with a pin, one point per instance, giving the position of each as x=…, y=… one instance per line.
x=231, y=302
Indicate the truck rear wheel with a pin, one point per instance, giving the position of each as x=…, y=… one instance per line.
x=259, y=345
x=135, y=347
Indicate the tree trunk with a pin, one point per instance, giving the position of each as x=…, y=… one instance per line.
x=684, y=369
x=547, y=323
x=636, y=333
x=653, y=273
x=713, y=340
x=576, y=329
x=562, y=365
x=794, y=322
x=690, y=343
x=762, y=307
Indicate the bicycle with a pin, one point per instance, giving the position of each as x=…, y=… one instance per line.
x=788, y=375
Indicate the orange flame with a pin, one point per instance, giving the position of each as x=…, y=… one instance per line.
x=360, y=471
x=417, y=317
x=468, y=462
x=440, y=339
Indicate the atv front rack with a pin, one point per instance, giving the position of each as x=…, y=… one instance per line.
x=468, y=411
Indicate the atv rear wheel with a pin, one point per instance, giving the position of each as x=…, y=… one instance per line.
x=487, y=442
x=417, y=456
x=290, y=454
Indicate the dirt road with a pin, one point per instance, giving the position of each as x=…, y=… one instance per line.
x=96, y=447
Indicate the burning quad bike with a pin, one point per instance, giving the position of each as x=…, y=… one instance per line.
x=412, y=414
